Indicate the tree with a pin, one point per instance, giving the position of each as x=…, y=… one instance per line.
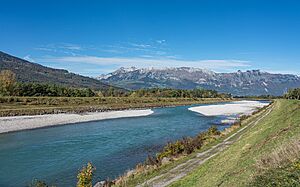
x=293, y=94
x=7, y=82
x=85, y=176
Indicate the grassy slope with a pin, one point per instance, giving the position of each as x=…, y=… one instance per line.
x=11, y=106
x=236, y=165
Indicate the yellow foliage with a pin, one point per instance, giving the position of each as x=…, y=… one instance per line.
x=85, y=176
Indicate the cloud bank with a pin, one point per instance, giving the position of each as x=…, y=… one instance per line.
x=213, y=64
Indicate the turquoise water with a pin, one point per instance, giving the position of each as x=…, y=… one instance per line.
x=56, y=154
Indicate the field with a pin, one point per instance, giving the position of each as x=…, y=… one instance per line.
x=266, y=148
x=12, y=106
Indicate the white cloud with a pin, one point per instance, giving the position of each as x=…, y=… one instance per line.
x=141, y=45
x=28, y=58
x=151, y=48
x=225, y=64
x=292, y=72
x=70, y=46
x=60, y=48
x=161, y=41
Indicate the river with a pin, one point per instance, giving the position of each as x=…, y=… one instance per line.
x=56, y=154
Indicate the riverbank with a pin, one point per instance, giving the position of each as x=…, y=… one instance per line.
x=20, y=106
x=18, y=123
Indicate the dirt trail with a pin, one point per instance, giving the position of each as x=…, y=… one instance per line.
x=183, y=169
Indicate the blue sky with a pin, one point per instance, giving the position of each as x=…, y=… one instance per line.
x=95, y=37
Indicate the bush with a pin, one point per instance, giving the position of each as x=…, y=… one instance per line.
x=188, y=145
x=293, y=94
x=213, y=131
x=85, y=176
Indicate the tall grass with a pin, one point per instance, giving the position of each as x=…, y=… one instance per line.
x=283, y=155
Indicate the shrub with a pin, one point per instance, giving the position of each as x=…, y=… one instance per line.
x=188, y=145
x=213, y=131
x=85, y=176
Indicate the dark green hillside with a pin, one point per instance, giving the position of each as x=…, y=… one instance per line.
x=31, y=72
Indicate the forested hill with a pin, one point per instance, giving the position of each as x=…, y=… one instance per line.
x=31, y=72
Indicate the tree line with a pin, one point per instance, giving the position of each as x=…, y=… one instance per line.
x=167, y=92
x=10, y=87
x=293, y=94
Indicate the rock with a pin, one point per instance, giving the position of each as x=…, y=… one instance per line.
x=165, y=160
x=100, y=184
x=130, y=173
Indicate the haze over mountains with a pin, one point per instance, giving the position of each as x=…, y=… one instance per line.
x=252, y=82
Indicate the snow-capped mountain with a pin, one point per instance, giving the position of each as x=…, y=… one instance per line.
x=252, y=82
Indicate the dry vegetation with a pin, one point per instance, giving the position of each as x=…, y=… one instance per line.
x=12, y=106
x=283, y=155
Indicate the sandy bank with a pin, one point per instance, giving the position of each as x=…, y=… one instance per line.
x=228, y=109
x=17, y=123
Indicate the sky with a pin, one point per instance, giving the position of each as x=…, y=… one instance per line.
x=98, y=36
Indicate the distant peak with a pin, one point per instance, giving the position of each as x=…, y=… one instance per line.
x=124, y=69
x=189, y=69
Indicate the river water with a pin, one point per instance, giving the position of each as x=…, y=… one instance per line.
x=113, y=146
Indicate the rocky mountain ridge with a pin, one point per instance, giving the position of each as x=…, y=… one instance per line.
x=251, y=82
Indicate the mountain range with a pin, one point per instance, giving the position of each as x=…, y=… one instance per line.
x=32, y=72
x=251, y=82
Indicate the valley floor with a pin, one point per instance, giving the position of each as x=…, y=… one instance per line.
x=17, y=106
x=22, y=113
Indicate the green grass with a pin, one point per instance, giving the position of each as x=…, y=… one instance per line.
x=236, y=166
x=288, y=175
x=11, y=106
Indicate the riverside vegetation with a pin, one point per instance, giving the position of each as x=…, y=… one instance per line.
x=33, y=98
